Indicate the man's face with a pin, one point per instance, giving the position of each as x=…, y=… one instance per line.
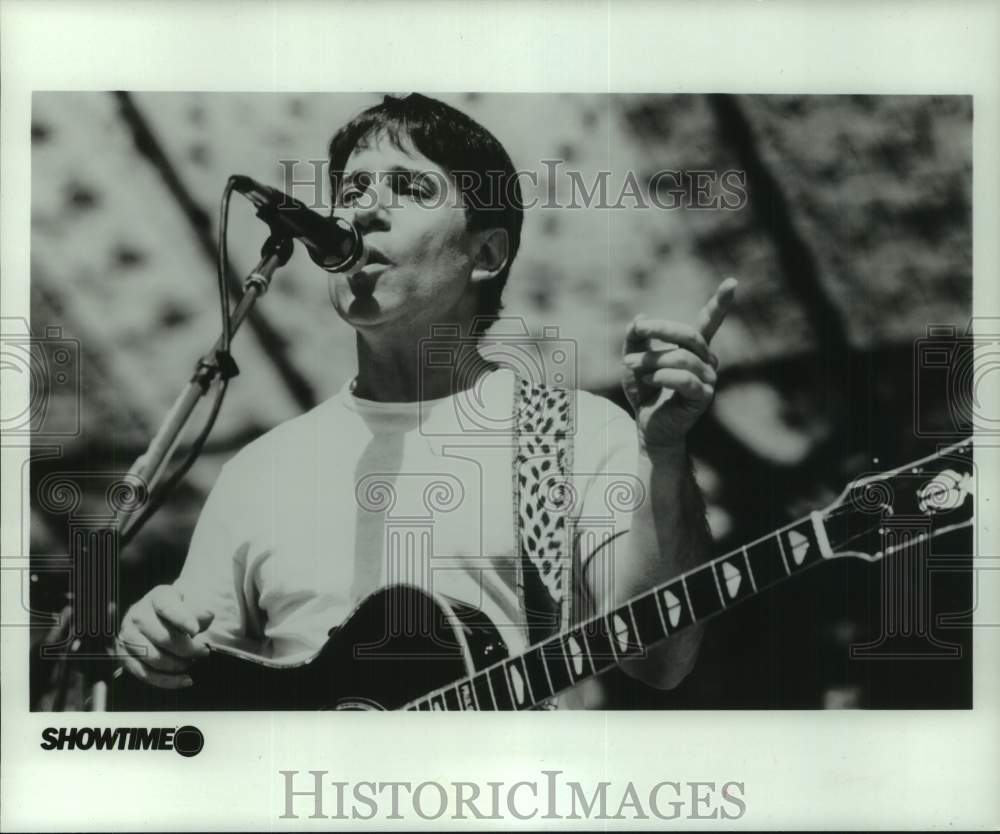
x=420, y=253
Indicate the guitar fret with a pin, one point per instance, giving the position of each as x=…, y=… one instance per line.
x=767, y=561
x=800, y=546
x=784, y=556
x=658, y=598
x=703, y=592
x=732, y=579
x=424, y=704
x=648, y=620
x=746, y=561
x=718, y=587
x=675, y=605
x=819, y=531
x=451, y=699
x=437, y=701
x=484, y=692
x=517, y=682
x=575, y=649
x=498, y=683
x=466, y=696
x=538, y=675
x=602, y=655
x=555, y=665
x=624, y=638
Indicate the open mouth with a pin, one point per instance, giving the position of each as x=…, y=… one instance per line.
x=374, y=256
x=363, y=281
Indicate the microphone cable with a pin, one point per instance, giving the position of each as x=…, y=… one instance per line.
x=156, y=500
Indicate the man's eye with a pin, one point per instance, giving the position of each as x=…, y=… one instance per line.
x=416, y=191
x=349, y=195
x=405, y=185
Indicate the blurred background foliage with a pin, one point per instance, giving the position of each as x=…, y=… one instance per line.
x=855, y=238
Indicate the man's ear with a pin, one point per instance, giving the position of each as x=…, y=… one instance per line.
x=492, y=255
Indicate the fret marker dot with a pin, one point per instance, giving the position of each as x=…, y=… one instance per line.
x=518, y=684
x=673, y=608
x=621, y=633
x=733, y=578
x=577, y=654
x=800, y=546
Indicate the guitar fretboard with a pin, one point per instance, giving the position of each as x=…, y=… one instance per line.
x=630, y=630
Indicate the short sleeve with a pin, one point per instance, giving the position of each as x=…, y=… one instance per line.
x=214, y=574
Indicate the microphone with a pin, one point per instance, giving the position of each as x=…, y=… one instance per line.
x=332, y=242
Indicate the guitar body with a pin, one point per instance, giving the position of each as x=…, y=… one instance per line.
x=398, y=644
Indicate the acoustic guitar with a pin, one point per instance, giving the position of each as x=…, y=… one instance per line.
x=405, y=648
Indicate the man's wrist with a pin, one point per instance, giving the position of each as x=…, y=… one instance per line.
x=668, y=453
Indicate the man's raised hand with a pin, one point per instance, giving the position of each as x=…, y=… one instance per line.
x=671, y=384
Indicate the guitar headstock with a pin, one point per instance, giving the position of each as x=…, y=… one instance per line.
x=890, y=511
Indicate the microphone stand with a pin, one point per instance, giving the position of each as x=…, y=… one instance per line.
x=148, y=467
x=147, y=472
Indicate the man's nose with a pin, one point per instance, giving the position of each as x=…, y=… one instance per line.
x=369, y=211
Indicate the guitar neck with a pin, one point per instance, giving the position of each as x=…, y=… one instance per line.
x=595, y=645
x=927, y=497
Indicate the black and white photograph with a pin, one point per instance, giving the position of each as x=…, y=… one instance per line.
x=658, y=411
x=519, y=424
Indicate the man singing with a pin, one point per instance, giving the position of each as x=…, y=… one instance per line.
x=294, y=532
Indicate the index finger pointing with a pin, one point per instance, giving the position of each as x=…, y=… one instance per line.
x=714, y=312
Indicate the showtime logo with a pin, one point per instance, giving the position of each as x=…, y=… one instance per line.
x=186, y=740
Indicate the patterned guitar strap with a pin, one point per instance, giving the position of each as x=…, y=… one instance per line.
x=543, y=462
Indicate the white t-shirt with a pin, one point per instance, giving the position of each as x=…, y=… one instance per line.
x=312, y=517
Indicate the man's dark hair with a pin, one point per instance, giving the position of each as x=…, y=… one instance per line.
x=474, y=157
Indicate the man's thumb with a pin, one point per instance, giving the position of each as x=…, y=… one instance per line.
x=205, y=619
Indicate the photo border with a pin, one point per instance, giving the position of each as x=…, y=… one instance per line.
x=832, y=769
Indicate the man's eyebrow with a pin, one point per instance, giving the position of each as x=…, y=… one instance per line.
x=349, y=177
x=413, y=172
